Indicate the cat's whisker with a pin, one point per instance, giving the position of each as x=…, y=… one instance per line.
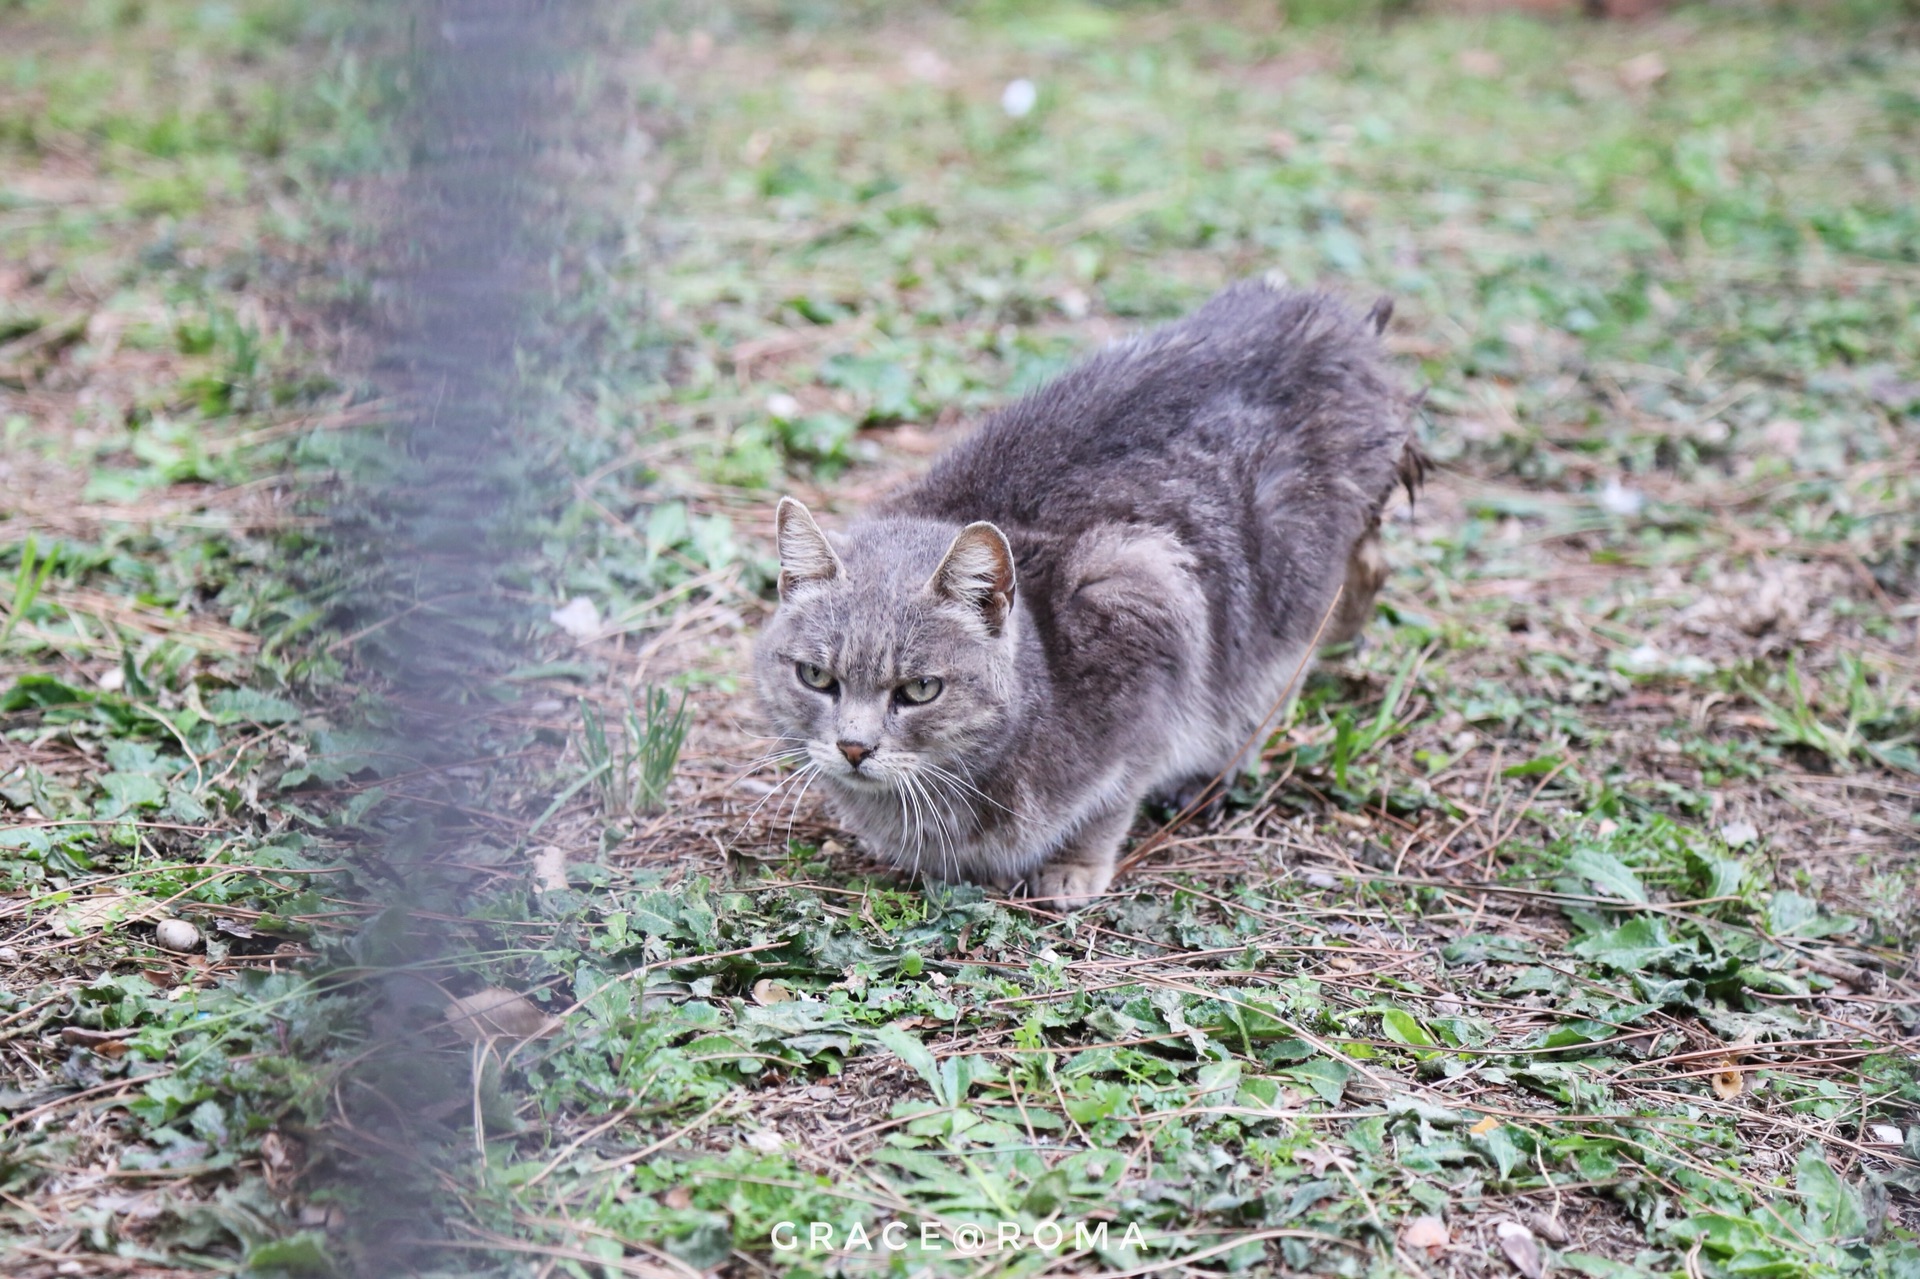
x=955, y=779
x=943, y=825
x=807, y=771
x=952, y=820
x=910, y=811
x=799, y=797
x=910, y=793
x=753, y=766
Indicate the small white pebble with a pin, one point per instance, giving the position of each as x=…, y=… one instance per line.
x=578, y=617
x=1617, y=499
x=782, y=406
x=1885, y=1134
x=177, y=935
x=1018, y=97
x=8, y=955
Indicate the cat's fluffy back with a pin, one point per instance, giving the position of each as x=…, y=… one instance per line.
x=1264, y=432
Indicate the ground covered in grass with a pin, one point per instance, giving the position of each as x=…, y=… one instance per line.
x=167, y=185
x=1569, y=925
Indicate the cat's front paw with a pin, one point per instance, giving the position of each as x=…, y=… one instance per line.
x=1068, y=887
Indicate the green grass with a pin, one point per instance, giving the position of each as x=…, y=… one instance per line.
x=165, y=171
x=1618, y=799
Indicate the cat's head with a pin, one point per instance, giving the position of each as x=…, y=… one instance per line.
x=891, y=656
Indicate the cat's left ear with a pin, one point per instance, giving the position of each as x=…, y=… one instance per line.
x=805, y=554
x=978, y=573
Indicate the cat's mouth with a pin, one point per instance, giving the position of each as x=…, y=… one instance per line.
x=865, y=777
x=868, y=774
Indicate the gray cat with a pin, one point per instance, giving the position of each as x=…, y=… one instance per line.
x=1106, y=592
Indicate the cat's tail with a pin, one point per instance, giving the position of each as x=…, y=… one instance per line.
x=1367, y=563
x=1380, y=313
x=1414, y=463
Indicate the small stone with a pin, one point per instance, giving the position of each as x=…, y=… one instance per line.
x=9, y=955
x=1617, y=499
x=579, y=617
x=1522, y=1249
x=550, y=869
x=1425, y=1232
x=1018, y=98
x=177, y=935
x=1739, y=834
x=1885, y=1134
x=1548, y=1227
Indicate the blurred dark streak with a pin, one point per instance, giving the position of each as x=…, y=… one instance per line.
x=468, y=253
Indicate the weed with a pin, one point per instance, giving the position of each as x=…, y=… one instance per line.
x=630, y=770
x=27, y=583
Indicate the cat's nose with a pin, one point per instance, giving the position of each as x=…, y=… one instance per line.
x=854, y=752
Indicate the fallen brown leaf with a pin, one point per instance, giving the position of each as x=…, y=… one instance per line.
x=86, y=915
x=280, y=1158
x=1481, y=64
x=1729, y=1080
x=108, y=1043
x=1425, y=1232
x=494, y=1013
x=769, y=991
x=1641, y=71
x=1485, y=1126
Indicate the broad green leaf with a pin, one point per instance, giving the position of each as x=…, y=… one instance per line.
x=246, y=705
x=1499, y=1146
x=1635, y=945
x=1609, y=876
x=1830, y=1206
x=1217, y=1082
x=1328, y=1079
x=916, y=1054
x=127, y=792
x=1402, y=1027
x=1102, y=1099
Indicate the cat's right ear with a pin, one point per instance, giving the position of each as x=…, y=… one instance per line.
x=805, y=555
x=978, y=572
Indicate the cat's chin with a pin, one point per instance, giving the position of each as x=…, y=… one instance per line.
x=861, y=783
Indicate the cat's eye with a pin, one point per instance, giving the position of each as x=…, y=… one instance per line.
x=815, y=676
x=920, y=691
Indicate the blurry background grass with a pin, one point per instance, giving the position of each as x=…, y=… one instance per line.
x=1581, y=898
